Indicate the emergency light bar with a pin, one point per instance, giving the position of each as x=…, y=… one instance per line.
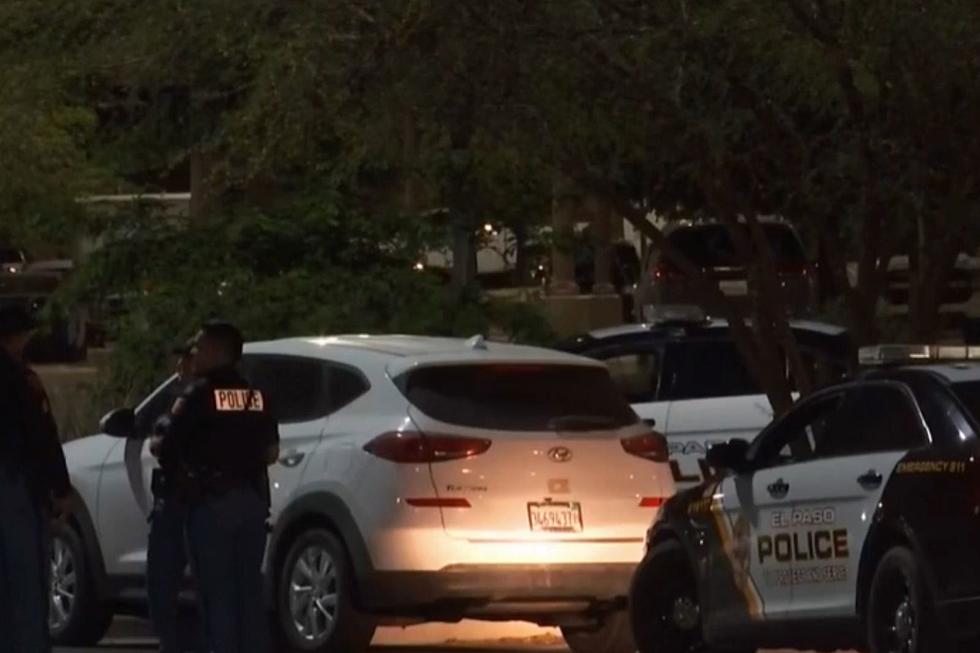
x=879, y=355
x=674, y=313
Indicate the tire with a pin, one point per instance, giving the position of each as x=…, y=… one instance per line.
x=664, y=607
x=77, y=614
x=901, y=614
x=612, y=635
x=302, y=624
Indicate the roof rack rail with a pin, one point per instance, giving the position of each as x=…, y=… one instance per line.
x=881, y=355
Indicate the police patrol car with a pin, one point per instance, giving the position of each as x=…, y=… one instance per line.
x=682, y=374
x=852, y=521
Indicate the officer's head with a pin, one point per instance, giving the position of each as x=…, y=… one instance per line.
x=218, y=344
x=17, y=326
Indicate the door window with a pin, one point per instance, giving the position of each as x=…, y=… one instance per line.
x=637, y=374
x=293, y=387
x=705, y=369
x=873, y=419
x=299, y=389
x=346, y=385
x=798, y=437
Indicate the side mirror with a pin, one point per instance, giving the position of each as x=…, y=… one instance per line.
x=732, y=455
x=120, y=423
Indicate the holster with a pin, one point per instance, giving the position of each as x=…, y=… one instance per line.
x=158, y=484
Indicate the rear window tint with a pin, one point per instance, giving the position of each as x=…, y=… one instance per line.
x=969, y=396
x=706, y=369
x=518, y=397
x=711, y=245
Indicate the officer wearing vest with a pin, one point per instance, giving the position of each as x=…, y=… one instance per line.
x=224, y=436
x=166, y=555
x=34, y=484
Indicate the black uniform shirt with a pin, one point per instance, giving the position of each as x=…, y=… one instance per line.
x=220, y=425
x=28, y=433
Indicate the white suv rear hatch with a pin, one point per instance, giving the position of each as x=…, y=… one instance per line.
x=557, y=453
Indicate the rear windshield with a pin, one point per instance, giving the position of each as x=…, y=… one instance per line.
x=711, y=245
x=969, y=394
x=518, y=397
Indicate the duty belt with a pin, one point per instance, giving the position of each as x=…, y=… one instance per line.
x=197, y=484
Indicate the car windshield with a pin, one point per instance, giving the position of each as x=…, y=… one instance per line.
x=711, y=245
x=519, y=397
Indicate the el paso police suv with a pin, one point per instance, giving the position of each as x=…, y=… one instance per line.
x=852, y=521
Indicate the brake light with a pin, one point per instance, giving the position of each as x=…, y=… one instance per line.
x=650, y=446
x=412, y=447
x=792, y=269
x=664, y=271
x=651, y=502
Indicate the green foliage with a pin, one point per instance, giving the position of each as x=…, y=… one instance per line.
x=335, y=132
x=325, y=271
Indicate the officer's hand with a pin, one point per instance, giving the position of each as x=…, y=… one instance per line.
x=156, y=444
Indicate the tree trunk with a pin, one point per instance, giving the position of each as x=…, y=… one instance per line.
x=928, y=282
x=464, y=254
x=562, y=280
x=602, y=242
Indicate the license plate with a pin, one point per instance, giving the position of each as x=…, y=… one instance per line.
x=555, y=517
x=734, y=288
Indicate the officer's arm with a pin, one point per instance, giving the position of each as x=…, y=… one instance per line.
x=184, y=419
x=43, y=434
x=271, y=441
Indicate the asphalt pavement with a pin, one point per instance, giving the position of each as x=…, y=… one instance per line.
x=132, y=636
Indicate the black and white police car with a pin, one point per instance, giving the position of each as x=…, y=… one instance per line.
x=851, y=522
x=682, y=373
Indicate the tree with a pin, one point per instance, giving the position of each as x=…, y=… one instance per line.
x=852, y=120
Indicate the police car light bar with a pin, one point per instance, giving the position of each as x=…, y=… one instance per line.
x=910, y=354
x=674, y=313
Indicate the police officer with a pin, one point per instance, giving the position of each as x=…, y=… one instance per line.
x=33, y=482
x=166, y=555
x=224, y=436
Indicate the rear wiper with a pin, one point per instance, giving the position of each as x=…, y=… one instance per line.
x=580, y=421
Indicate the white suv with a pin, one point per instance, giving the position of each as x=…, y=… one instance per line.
x=421, y=479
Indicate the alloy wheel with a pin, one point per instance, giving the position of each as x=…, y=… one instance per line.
x=314, y=594
x=63, y=585
x=896, y=619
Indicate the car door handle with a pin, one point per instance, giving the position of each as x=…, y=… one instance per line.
x=870, y=479
x=291, y=458
x=650, y=422
x=778, y=489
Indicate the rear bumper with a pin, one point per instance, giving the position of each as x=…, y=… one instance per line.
x=542, y=594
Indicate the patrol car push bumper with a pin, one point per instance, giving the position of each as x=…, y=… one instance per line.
x=544, y=594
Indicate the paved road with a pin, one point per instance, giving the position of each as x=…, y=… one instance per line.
x=132, y=636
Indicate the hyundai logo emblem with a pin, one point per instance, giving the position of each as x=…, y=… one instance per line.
x=560, y=454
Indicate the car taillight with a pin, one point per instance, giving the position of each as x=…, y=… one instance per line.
x=413, y=447
x=792, y=269
x=664, y=271
x=651, y=446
